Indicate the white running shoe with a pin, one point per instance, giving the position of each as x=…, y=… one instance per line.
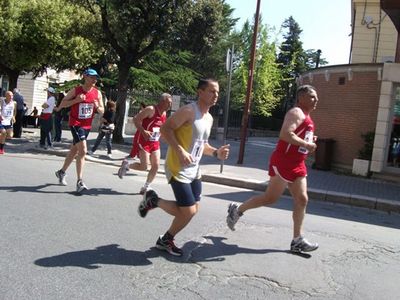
x=233, y=215
x=81, y=186
x=124, y=167
x=61, y=177
x=302, y=245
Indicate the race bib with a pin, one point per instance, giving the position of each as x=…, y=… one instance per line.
x=8, y=112
x=308, y=138
x=155, y=135
x=197, y=150
x=85, y=110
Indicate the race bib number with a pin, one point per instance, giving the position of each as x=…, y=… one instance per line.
x=8, y=112
x=155, y=135
x=197, y=150
x=85, y=110
x=308, y=138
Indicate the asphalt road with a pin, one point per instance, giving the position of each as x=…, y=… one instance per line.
x=57, y=245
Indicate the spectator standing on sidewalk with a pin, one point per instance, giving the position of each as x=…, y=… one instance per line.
x=186, y=132
x=25, y=117
x=146, y=141
x=34, y=114
x=106, y=128
x=84, y=101
x=17, y=126
x=8, y=109
x=46, y=119
x=287, y=168
x=58, y=119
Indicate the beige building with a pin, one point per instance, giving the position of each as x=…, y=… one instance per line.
x=374, y=36
x=363, y=97
x=34, y=89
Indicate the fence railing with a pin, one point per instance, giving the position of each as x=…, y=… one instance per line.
x=135, y=98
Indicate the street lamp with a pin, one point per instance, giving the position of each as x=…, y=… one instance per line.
x=318, y=57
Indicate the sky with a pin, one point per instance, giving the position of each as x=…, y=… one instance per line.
x=326, y=24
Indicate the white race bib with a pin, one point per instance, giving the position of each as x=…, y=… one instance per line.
x=85, y=110
x=308, y=138
x=155, y=135
x=197, y=150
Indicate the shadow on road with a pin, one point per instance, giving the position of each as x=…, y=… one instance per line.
x=320, y=208
x=215, y=251
x=41, y=189
x=92, y=259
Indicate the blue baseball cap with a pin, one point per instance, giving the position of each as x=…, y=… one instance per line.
x=91, y=72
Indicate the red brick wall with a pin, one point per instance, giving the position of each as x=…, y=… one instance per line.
x=346, y=111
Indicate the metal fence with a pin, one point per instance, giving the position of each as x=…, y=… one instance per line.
x=135, y=98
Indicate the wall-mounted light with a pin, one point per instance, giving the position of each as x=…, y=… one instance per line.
x=327, y=75
x=349, y=74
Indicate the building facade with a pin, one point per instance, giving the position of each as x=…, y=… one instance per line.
x=363, y=97
x=34, y=89
x=374, y=35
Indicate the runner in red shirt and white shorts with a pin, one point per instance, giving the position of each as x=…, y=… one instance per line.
x=287, y=168
x=146, y=142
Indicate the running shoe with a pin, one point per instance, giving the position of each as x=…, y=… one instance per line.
x=81, y=186
x=302, y=245
x=233, y=215
x=109, y=155
x=124, y=167
x=60, y=174
x=90, y=152
x=150, y=199
x=168, y=246
x=2, y=151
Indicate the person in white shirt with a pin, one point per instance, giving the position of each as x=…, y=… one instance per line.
x=46, y=120
x=8, y=109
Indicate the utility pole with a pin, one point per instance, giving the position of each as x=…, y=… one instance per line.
x=229, y=67
x=246, y=111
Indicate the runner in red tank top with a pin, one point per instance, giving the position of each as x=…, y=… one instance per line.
x=84, y=101
x=146, y=144
x=287, y=168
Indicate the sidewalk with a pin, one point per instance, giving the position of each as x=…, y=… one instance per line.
x=252, y=174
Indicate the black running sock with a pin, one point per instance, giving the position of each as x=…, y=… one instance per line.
x=167, y=237
x=1, y=146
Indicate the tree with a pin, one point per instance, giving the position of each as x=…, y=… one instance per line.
x=293, y=60
x=206, y=36
x=267, y=76
x=34, y=39
x=134, y=29
x=162, y=71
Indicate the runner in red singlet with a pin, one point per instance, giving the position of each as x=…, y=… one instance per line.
x=287, y=168
x=84, y=101
x=146, y=144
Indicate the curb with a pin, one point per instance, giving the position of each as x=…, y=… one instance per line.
x=385, y=205
x=389, y=206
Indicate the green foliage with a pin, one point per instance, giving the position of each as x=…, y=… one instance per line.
x=37, y=34
x=293, y=60
x=204, y=32
x=167, y=72
x=267, y=76
x=366, y=151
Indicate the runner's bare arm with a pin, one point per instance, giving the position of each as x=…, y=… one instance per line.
x=146, y=112
x=98, y=104
x=69, y=100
